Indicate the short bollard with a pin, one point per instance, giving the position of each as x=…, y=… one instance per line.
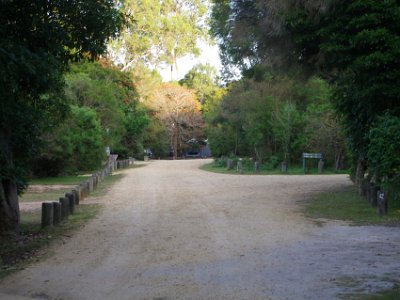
x=382, y=203
x=71, y=202
x=240, y=166
x=229, y=164
x=47, y=214
x=320, y=166
x=77, y=196
x=56, y=213
x=64, y=208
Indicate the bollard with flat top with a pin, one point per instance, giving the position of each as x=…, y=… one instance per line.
x=64, y=208
x=56, y=213
x=229, y=164
x=71, y=202
x=382, y=203
x=47, y=214
x=239, y=168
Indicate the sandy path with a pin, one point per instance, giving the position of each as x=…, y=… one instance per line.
x=172, y=231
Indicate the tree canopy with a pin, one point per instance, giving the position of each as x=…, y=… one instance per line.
x=37, y=40
x=160, y=32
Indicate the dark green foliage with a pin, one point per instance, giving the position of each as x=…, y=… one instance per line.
x=76, y=145
x=358, y=46
x=37, y=39
x=384, y=151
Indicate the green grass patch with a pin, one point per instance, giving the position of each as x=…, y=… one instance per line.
x=47, y=195
x=106, y=184
x=72, y=180
x=347, y=205
x=392, y=294
x=249, y=170
x=15, y=256
x=29, y=248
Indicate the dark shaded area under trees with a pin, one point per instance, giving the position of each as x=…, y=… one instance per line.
x=352, y=45
x=37, y=40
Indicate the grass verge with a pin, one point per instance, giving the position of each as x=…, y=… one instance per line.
x=293, y=170
x=347, y=205
x=34, y=240
x=29, y=248
x=392, y=294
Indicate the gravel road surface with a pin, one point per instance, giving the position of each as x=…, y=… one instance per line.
x=172, y=231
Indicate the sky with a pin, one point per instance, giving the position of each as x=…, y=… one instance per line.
x=209, y=54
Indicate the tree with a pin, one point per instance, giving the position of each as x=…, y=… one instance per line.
x=383, y=152
x=37, y=40
x=160, y=32
x=179, y=110
x=204, y=80
x=252, y=32
x=358, y=46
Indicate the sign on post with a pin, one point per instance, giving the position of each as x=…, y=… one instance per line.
x=311, y=155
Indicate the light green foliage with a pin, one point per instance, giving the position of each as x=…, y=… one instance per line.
x=204, y=80
x=286, y=121
x=160, y=31
x=86, y=137
x=113, y=95
x=84, y=89
x=110, y=95
x=323, y=131
x=272, y=115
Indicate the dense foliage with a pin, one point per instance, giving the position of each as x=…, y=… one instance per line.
x=275, y=118
x=37, y=39
x=354, y=45
x=159, y=32
x=110, y=97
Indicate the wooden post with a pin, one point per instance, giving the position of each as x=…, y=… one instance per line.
x=320, y=166
x=284, y=167
x=239, y=168
x=374, y=195
x=77, y=196
x=56, y=213
x=382, y=203
x=229, y=164
x=47, y=214
x=71, y=202
x=64, y=208
x=82, y=188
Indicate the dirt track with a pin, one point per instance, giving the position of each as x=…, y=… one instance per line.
x=172, y=231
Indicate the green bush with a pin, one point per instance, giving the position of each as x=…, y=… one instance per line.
x=384, y=153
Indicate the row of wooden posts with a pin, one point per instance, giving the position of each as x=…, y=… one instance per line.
x=54, y=212
x=230, y=165
x=284, y=167
x=377, y=198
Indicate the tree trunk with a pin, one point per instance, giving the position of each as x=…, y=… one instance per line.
x=9, y=210
x=360, y=172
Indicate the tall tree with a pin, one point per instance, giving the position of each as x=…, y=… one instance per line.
x=250, y=32
x=37, y=39
x=204, y=80
x=179, y=110
x=160, y=32
x=358, y=45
